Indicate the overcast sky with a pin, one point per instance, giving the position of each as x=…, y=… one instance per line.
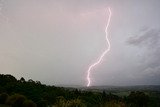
x=55, y=41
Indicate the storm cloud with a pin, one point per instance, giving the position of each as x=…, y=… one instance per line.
x=54, y=41
x=149, y=40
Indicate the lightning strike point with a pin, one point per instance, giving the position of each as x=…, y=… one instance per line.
x=104, y=53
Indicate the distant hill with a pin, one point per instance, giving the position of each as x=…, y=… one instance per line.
x=124, y=88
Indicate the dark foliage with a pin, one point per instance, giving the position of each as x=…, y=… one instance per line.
x=138, y=99
x=3, y=98
x=41, y=95
x=29, y=103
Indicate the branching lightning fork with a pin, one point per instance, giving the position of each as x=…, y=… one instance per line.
x=103, y=54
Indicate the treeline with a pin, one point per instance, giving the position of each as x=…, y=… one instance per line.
x=22, y=93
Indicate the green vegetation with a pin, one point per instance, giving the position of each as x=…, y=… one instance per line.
x=22, y=93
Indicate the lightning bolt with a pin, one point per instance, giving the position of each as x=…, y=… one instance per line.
x=104, y=53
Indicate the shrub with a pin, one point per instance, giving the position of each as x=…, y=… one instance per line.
x=29, y=103
x=16, y=100
x=62, y=102
x=42, y=103
x=3, y=98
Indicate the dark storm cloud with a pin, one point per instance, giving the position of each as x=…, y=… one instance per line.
x=149, y=37
x=149, y=41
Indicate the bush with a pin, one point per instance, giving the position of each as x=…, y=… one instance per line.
x=115, y=104
x=42, y=103
x=62, y=102
x=3, y=98
x=29, y=103
x=16, y=100
x=138, y=99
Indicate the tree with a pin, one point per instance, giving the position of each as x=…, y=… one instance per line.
x=31, y=81
x=22, y=79
x=104, y=97
x=5, y=79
